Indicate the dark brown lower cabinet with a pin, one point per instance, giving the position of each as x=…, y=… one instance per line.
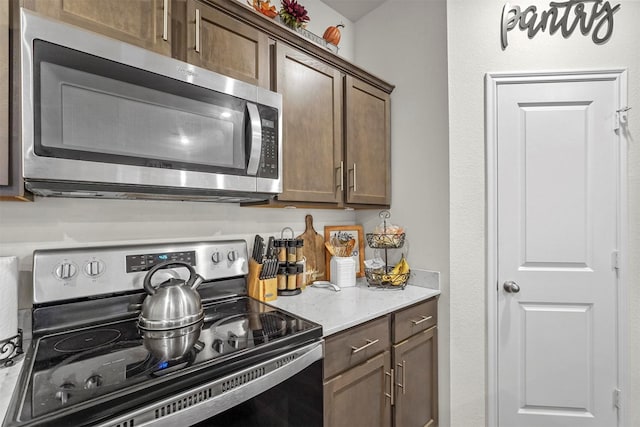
x=360, y=396
x=416, y=378
x=384, y=372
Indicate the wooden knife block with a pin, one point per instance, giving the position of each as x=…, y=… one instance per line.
x=263, y=290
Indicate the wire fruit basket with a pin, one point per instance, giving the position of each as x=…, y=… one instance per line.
x=392, y=277
x=385, y=241
x=384, y=278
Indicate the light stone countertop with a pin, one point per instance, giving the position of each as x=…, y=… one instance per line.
x=337, y=311
x=8, y=379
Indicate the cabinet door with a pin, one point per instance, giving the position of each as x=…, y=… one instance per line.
x=4, y=93
x=312, y=127
x=416, y=378
x=145, y=23
x=368, y=144
x=220, y=43
x=360, y=396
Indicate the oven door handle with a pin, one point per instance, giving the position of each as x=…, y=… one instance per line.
x=256, y=139
x=213, y=398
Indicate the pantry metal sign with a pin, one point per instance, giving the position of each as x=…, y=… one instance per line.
x=593, y=17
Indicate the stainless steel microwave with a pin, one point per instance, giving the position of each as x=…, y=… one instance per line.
x=103, y=118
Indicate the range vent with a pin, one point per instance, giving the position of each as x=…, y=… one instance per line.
x=239, y=380
x=184, y=403
x=285, y=360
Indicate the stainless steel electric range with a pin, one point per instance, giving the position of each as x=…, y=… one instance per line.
x=90, y=363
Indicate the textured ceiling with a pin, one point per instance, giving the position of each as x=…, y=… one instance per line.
x=353, y=9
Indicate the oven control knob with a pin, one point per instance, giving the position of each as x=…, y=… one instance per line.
x=232, y=255
x=94, y=268
x=94, y=381
x=65, y=270
x=215, y=257
x=64, y=392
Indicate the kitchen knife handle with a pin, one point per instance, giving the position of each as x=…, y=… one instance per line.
x=197, y=30
x=369, y=343
x=165, y=21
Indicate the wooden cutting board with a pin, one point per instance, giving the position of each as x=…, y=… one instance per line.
x=313, y=249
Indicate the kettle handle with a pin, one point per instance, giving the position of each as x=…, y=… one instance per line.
x=170, y=264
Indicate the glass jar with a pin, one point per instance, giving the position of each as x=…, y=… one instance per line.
x=291, y=277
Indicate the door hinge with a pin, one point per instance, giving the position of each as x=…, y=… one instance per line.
x=620, y=117
x=617, y=398
x=615, y=260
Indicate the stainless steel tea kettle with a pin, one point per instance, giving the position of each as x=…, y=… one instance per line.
x=172, y=304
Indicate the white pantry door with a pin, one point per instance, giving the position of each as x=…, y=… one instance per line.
x=557, y=201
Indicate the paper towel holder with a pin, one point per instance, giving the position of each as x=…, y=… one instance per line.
x=10, y=349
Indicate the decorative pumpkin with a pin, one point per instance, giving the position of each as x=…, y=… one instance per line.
x=332, y=34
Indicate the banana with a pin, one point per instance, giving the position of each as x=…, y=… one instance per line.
x=396, y=268
x=397, y=275
x=404, y=268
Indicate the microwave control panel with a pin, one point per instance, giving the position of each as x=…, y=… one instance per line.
x=269, y=155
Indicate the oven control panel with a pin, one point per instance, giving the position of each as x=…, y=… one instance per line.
x=62, y=274
x=145, y=262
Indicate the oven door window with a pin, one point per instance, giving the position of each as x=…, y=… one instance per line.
x=296, y=402
x=90, y=108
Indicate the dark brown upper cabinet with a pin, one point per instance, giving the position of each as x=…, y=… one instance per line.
x=367, y=144
x=223, y=44
x=312, y=127
x=145, y=23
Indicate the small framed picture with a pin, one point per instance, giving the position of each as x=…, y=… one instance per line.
x=344, y=236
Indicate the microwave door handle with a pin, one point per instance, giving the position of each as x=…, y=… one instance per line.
x=256, y=139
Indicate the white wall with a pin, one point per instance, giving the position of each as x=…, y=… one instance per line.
x=322, y=16
x=474, y=49
x=58, y=223
x=404, y=42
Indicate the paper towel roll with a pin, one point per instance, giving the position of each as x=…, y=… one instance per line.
x=8, y=297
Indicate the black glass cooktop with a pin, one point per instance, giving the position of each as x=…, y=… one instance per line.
x=95, y=366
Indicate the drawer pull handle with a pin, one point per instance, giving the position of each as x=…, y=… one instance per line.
x=422, y=319
x=369, y=343
x=390, y=395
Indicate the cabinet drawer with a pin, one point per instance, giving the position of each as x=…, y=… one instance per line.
x=415, y=319
x=352, y=347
